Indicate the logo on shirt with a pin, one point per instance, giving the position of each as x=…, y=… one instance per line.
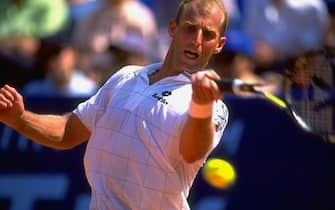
x=162, y=97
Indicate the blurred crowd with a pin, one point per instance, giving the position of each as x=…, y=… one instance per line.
x=71, y=47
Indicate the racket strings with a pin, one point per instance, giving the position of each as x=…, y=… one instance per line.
x=309, y=84
x=321, y=121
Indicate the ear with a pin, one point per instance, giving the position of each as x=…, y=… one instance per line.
x=220, y=45
x=172, y=28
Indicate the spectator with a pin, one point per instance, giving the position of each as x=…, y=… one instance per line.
x=131, y=49
x=79, y=10
x=62, y=79
x=236, y=61
x=282, y=29
x=330, y=38
x=234, y=13
x=110, y=24
x=22, y=24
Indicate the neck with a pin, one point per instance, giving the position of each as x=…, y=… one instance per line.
x=170, y=66
x=167, y=69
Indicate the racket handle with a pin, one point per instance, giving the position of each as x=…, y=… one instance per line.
x=234, y=86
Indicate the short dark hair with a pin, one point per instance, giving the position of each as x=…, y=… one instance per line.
x=207, y=3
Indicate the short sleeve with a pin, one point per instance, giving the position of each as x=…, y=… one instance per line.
x=220, y=118
x=93, y=108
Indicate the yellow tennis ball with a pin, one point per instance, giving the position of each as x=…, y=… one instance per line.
x=219, y=173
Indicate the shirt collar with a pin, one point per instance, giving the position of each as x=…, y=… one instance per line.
x=150, y=69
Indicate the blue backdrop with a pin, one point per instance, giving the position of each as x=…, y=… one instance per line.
x=277, y=165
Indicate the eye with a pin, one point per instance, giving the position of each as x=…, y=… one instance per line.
x=209, y=35
x=189, y=28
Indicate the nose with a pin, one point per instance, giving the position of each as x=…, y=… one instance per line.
x=197, y=37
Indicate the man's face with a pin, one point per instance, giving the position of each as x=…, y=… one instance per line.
x=196, y=37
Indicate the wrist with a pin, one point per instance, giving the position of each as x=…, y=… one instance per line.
x=201, y=111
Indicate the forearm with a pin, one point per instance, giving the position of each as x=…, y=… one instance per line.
x=55, y=131
x=197, y=138
x=47, y=130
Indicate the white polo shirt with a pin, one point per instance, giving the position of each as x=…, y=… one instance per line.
x=132, y=159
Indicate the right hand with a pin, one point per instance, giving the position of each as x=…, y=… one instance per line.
x=11, y=105
x=205, y=90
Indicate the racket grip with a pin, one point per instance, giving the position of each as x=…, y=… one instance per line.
x=230, y=85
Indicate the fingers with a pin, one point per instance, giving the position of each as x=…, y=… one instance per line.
x=7, y=96
x=212, y=75
x=13, y=92
x=205, y=90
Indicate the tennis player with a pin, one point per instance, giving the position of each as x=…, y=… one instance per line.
x=149, y=129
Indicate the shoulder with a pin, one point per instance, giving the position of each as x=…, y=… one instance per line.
x=128, y=72
x=125, y=73
x=130, y=69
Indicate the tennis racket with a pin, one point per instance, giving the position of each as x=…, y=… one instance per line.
x=308, y=92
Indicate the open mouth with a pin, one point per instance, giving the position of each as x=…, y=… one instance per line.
x=191, y=55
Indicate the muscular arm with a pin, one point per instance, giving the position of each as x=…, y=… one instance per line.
x=197, y=138
x=54, y=131
x=198, y=133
